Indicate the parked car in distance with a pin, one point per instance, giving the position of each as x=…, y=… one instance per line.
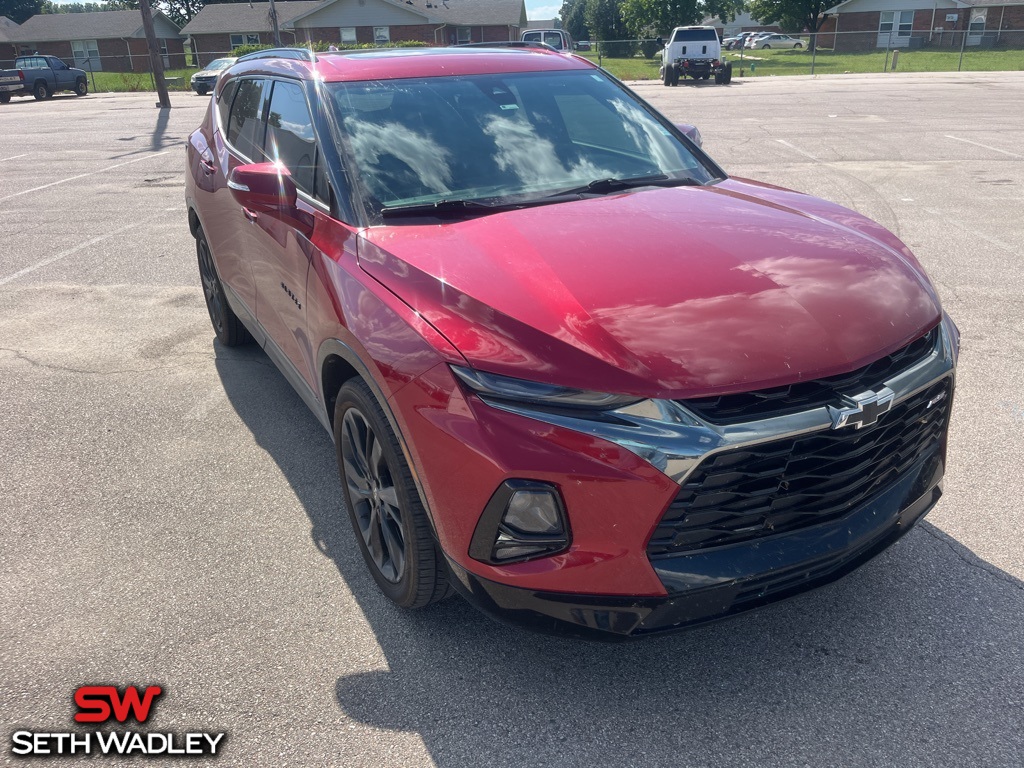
x=41, y=77
x=202, y=82
x=572, y=370
x=583, y=45
x=558, y=39
x=736, y=41
x=775, y=41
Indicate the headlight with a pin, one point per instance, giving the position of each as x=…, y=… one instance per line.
x=522, y=391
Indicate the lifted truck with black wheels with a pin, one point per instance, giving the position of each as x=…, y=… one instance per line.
x=694, y=52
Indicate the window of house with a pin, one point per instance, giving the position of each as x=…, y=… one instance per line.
x=245, y=128
x=465, y=35
x=381, y=35
x=86, y=54
x=348, y=34
x=251, y=38
x=901, y=22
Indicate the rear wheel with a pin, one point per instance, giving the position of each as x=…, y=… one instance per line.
x=766, y=47
x=40, y=91
x=675, y=74
x=226, y=325
x=81, y=87
x=5, y=98
x=387, y=515
x=727, y=73
x=666, y=75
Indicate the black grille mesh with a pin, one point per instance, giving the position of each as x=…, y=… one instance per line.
x=805, y=395
x=793, y=483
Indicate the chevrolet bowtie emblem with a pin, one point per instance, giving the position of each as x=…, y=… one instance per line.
x=861, y=410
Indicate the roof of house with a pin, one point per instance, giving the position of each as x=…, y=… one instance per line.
x=7, y=30
x=245, y=17
x=83, y=26
x=544, y=24
x=850, y=6
x=241, y=17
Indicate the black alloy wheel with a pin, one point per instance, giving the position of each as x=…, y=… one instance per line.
x=390, y=522
x=226, y=325
x=375, y=498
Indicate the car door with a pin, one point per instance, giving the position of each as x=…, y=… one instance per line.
x=282, y=251
x=238, y=140
x=63, y=77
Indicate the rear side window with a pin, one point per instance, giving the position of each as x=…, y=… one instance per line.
x=245, y=128
x=224, y=104
x=290, y=138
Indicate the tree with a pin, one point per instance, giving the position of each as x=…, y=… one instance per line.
x=653, y=18
x=573, y=21
x=604, y=20
x=19, y=11
x=791, y=15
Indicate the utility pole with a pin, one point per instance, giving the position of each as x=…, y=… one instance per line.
x=156, y=62
x=273, y=24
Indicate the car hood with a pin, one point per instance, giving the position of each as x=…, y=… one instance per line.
x=207, y=73
x=661, y=292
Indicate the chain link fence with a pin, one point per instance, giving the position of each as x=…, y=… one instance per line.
x=901, y=49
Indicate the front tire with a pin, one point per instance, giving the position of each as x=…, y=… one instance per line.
x=387, y=515
x=202, y=90
x=226, y=325
x=798, y=45
x=81, y=87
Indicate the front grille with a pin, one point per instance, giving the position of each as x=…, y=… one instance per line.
x=805, y=395
x=783, y=485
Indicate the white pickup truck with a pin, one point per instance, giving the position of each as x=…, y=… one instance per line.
x=694, y=52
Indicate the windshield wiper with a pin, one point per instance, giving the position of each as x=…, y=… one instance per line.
x=457, y=207
x=607, y=186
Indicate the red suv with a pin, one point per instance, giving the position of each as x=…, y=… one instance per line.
x=572, y=370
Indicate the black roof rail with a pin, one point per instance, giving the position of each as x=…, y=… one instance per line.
x=299, y=54
x=508, y=44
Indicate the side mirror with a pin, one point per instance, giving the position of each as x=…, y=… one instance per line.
x=268, y=188
x=691, y=132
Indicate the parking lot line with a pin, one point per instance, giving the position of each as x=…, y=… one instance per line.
x=797, y=149
x=80, y=247
x=984, y=146
x=12, y=157
x=81, y=175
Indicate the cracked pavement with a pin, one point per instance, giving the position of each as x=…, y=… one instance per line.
x=171, y=513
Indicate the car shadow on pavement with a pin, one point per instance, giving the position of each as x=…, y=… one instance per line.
x=915, y=659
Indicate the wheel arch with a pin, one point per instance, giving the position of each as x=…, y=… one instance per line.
x=338, y=363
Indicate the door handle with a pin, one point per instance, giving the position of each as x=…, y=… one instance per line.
x=208, y=165
x=250, y=215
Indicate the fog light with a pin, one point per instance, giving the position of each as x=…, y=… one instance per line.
x=523, y=520
x=533, y=512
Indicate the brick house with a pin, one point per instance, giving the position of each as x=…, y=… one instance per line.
x=219, y=28
x=863, y=25
x=111, y=41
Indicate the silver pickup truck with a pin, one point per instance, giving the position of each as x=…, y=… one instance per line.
x=41, y=77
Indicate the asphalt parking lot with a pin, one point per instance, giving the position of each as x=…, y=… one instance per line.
x=171, y=511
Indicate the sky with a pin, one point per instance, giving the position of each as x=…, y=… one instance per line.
x=542, y=9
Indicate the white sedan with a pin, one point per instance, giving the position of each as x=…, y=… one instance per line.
x=775, y=41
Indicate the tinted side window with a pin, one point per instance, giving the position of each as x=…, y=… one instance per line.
x=290, y=138
x=245, y=128
x=224, y=105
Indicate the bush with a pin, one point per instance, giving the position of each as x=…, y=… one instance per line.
x=650, y=48
x=320, y=46
x=620, y=49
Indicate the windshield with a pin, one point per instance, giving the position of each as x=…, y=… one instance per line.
x=220, y=64
x=501, y=137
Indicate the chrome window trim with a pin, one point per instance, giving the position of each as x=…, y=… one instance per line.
x=675, y=441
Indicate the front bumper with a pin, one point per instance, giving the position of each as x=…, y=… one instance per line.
x=709, y=585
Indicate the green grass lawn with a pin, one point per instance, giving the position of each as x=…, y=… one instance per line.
x=826, y=62
x=138, y=81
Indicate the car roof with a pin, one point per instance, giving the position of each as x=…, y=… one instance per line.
x=396, y=63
